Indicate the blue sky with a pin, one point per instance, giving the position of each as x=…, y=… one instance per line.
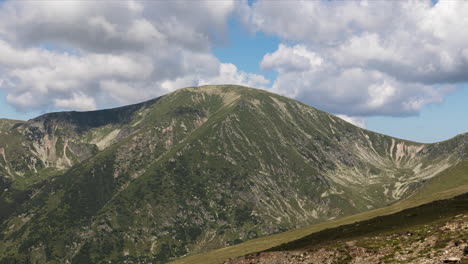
x=246, y=49
x=434, y=123
x=344, y=65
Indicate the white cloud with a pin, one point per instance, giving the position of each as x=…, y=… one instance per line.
x=376, y=57
x=38, y=78
x=349, y=90
x=346, y=57
x=357, y=121
x=77, y=102
x=286, y=59
x=324, y=22
x=110, y=26
x=84, y=54
x=227, y=74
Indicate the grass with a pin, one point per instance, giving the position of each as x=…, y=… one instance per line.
x=30, y=179
x=93, y=198
x=450, y=178
x=425, y=216
x=265, y=243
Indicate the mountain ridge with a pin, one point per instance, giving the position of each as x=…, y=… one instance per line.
x=197, y=169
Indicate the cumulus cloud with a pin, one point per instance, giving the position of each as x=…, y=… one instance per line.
x=346, y=90
x=77, y=101
x=107, y=26
x=357, y=121
x=85, y=55
x=227, y=74
x=357, y=58
x=288, y=59
x=35, y=78
x=365, y=57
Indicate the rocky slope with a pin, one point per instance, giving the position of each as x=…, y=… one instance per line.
x=197, y=169
x=433, y=233
x=32, y=152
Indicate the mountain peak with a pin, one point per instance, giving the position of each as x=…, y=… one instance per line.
x=200, y=168
x=209, y=88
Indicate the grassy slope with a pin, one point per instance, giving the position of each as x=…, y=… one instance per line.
x=90, y=196
x=157, y=184
x=399, y=221
x=265, y=243
x=429, y=233
x=451, y=182
x=6, y=124
x=86, y=194
x=452, y=177
x=23, y=171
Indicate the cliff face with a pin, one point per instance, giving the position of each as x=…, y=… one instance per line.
x=197, y=169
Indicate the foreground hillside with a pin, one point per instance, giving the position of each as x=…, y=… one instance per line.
x=436, y=232
x=195, y=170
x=392, y=218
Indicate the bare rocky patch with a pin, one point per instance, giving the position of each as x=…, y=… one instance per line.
x=445, y=242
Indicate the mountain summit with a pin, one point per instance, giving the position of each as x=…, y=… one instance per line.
x=197, y=169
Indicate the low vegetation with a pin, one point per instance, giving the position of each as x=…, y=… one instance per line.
x=199, y=169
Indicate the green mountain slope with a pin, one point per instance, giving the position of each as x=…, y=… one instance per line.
x=338, y=229
x=34, y=151
x=451, y=178
x=197, y=169
x=431, y=233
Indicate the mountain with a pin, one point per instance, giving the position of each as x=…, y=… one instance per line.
x=198, y=169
